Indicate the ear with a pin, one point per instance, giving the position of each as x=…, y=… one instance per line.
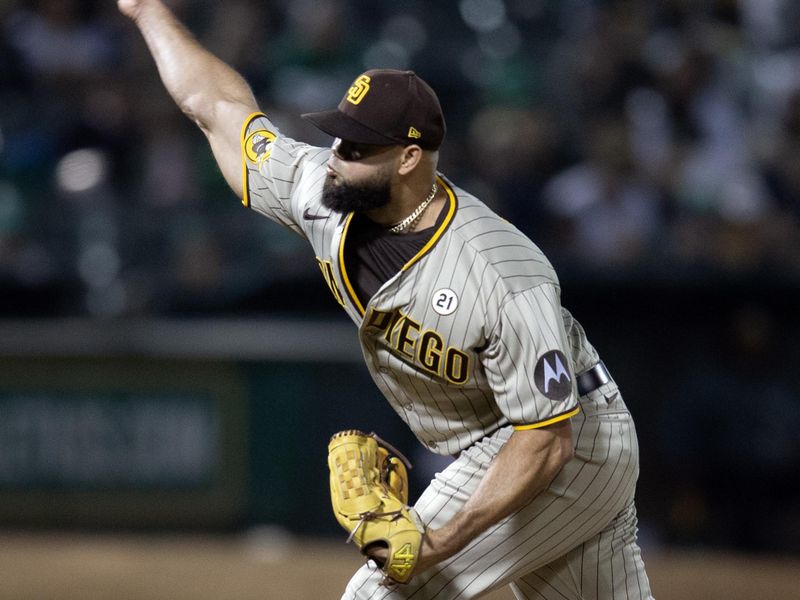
x=409, y=159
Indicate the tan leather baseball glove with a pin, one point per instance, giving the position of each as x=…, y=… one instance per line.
x=369, y=494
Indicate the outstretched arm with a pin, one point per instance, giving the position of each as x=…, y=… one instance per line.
x=524, y=467
x=206, y=89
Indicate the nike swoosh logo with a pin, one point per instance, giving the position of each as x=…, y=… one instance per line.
x=308, y=216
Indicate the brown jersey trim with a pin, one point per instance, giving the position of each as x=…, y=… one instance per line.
x=245, y=186
x=561, y=417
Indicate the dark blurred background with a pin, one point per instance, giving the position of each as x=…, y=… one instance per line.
x=168, y=359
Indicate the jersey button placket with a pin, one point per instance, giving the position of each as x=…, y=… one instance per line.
x=431, y=444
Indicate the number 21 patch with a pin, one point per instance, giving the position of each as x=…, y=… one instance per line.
x=444, y=301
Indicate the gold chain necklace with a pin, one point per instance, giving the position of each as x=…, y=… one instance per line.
x=412, y=218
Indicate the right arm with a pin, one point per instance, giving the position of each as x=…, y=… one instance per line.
x=206, y=89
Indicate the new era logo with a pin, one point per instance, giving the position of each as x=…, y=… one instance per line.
x=414, y=133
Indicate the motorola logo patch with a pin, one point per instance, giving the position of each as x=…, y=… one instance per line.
x=552, y=376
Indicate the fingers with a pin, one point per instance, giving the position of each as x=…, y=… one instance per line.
x=377, y=552
x=130, y=8
x=127, y=7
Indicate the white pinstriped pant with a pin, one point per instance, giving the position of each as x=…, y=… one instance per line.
x=576, y=540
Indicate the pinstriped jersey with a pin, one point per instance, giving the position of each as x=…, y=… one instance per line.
x=468, y=336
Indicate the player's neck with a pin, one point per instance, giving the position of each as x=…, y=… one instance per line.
x=410, y=209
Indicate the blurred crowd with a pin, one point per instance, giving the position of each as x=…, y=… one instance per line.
x=633, y=139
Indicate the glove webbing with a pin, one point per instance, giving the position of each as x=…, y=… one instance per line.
x=369, y=516
x=377, y=438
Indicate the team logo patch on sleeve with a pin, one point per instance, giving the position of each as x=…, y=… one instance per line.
x=258, y=145
x=552, y=376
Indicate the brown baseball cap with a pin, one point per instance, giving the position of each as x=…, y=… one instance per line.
x=386, y=107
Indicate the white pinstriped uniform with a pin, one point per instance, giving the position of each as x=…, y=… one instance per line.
x=456, y=341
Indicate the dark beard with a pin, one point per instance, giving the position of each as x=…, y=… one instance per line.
x=347, y=197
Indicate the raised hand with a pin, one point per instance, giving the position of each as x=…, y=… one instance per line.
x=130, y=8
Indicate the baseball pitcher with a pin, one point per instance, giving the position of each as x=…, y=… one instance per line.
x=459, y=317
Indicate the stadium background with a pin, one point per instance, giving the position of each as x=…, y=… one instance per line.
x=171, y=365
